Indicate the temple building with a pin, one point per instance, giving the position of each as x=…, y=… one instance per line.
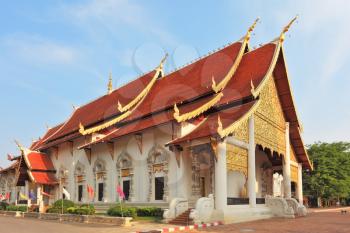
x=220, y=136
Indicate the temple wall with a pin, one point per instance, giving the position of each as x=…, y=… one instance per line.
x=179, y=177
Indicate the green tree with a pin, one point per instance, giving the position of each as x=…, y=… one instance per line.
x=330, y=178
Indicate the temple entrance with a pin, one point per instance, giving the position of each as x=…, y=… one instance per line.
x=80, y=193
x=126, y=189
x=202, y=172
x=202, y=186
x=100, y=191
x=159, y=188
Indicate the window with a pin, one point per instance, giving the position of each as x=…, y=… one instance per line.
x=159, y=188
x=126, y=189
x=100, y=191
x=80, y=193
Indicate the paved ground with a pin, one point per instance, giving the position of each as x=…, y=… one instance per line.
x=316, y=222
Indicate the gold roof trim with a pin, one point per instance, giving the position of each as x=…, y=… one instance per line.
x=198, y=111
x=110, y=84
x=223, y=132
x=159, y=70
x=279, y=41
x=220, y=86
x=84, y=131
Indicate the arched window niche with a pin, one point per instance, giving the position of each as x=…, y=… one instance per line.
x=100, y=173
x=62, y=175
x=125, y=174
x=158, y=168
x=80, y=182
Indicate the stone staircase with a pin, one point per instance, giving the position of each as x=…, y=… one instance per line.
x=183, y=219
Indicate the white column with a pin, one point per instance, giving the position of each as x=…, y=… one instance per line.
x=251, y=164
x=300, y=183
x=26, y=192
x=286, y=167
x=40, y=200
x=221, y=177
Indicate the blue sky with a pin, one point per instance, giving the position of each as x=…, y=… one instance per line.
x=55, y=54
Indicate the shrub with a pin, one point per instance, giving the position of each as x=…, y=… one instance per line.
x=82, y=210
x=57, y=206
x=66, y=204
x=124, y=211
x=3, y=205
x=149, y=211
x=16, y=208
x=54, y=210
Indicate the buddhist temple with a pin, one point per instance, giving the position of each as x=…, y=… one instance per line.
x=219, y=138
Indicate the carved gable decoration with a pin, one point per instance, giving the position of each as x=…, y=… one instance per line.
x=292, y=154
x=237, y=159
x=270, y=122
x=158, y=155
x=124, y=161
x=99, y=166
x=79, y=169
x=242, y=132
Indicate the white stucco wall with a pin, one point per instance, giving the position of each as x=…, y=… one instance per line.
x=179, y=177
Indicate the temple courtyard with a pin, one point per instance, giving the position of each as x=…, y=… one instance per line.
x=315, y=222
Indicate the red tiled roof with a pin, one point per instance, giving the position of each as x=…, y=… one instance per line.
x=39, y=177
x=254, y=66
x=39, y=161
x=48, y=134
x=210, y=125
x=104, y=107
x=189, y=82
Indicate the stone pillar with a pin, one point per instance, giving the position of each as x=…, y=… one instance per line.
x=286, y=166
x=26, y=192
x=251, y=164
x=300, y=183
x=221, y=177
x=40, y=200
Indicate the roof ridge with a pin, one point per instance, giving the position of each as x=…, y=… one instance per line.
x=201, y=57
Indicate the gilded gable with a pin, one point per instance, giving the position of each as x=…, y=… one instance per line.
x=269, y=119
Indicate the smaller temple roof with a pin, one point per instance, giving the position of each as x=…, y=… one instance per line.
x=38, y=161
x=38, y=167
x=209, y=126
x=39, y=177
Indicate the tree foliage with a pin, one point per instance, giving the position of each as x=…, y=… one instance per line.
x=330, y=179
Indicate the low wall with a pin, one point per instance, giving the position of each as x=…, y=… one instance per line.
x=92, y=219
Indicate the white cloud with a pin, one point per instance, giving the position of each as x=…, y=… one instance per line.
x=39, y=51
x=115, y=15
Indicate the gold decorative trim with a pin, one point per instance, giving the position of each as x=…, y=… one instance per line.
x=126, y=109
x=231, y=72
x=223, y=132
x=110, y=84
x=279, y=42
x=159, y=70
x=84, y=131
x=198, y=111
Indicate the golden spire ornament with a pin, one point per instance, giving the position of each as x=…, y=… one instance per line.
x=110, y=84
x=286, y=28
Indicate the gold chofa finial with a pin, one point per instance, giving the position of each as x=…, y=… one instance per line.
x=251, y=28
x=81, y=128
x=20, y=147
x=286, y=28
x=110, y=83
x=161, y=64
